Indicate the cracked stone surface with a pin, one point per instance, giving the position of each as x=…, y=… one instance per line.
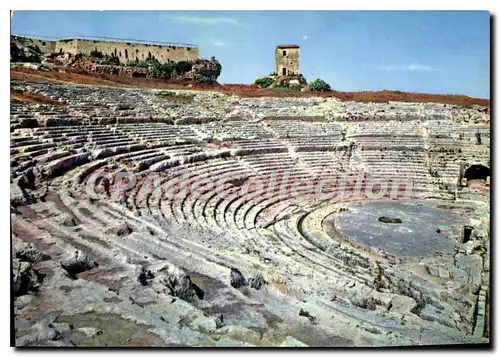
x=159, y=270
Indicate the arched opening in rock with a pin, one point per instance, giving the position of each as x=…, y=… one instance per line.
x=477, y=172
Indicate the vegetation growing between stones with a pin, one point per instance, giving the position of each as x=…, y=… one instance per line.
x=175, y=97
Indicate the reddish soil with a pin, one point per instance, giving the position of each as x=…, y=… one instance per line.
x=243, y=90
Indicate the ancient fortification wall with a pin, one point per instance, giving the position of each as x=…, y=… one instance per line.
x=66, y=46
x=125, y=51
x=287, y=60
x=44, y=46
x=128, y=51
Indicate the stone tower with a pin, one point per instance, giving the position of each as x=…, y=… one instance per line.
x=287, y=60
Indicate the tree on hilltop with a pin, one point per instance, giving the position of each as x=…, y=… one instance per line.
x=319, y=85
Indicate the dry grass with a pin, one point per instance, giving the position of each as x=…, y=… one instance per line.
x=242, y=90
x=176, y=98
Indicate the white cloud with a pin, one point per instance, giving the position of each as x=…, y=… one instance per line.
x=413, y=67
x=305, y=37
x=220, y=43
x=204, y=20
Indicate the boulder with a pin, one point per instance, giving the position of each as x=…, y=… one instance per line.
x=29, y=253
x=29, y=179
x=257, y=281
x=68, y=220
x=78, y=263
x=48, y=332
x=120, y=230
x=145, y=276
x=90, y=331
x=25, y=278
x=179, y=284
x=237, y=279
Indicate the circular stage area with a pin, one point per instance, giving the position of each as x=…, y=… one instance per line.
x=424, y=228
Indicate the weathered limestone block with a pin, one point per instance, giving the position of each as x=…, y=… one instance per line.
x=16, y=195
x=67, y=220
x=51, y=122
x=292, y=342
x=29, y=253
x=66, y=164
x=120, y=230
x=173, y=281
x=459, y=275
x=403, y=304
x=78, y=263
x=89, y=331
x=359, y=295
x=444, y=272
x=432, y=269
x=384, y=300
x=474, y=246
x=25, y=279
x=432, y=313
x=471, y=265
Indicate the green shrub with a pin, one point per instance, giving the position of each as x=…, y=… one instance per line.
x=218, y=67
x=203, y=79
x=112, y=60
x=206, y=72
x=161, y=70
x=264, y=82
x=170, y=69
x=142, y=63
x=96, y=54
x=319, y=85
x=182, y=67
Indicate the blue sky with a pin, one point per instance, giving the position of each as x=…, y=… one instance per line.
x=418, y=51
